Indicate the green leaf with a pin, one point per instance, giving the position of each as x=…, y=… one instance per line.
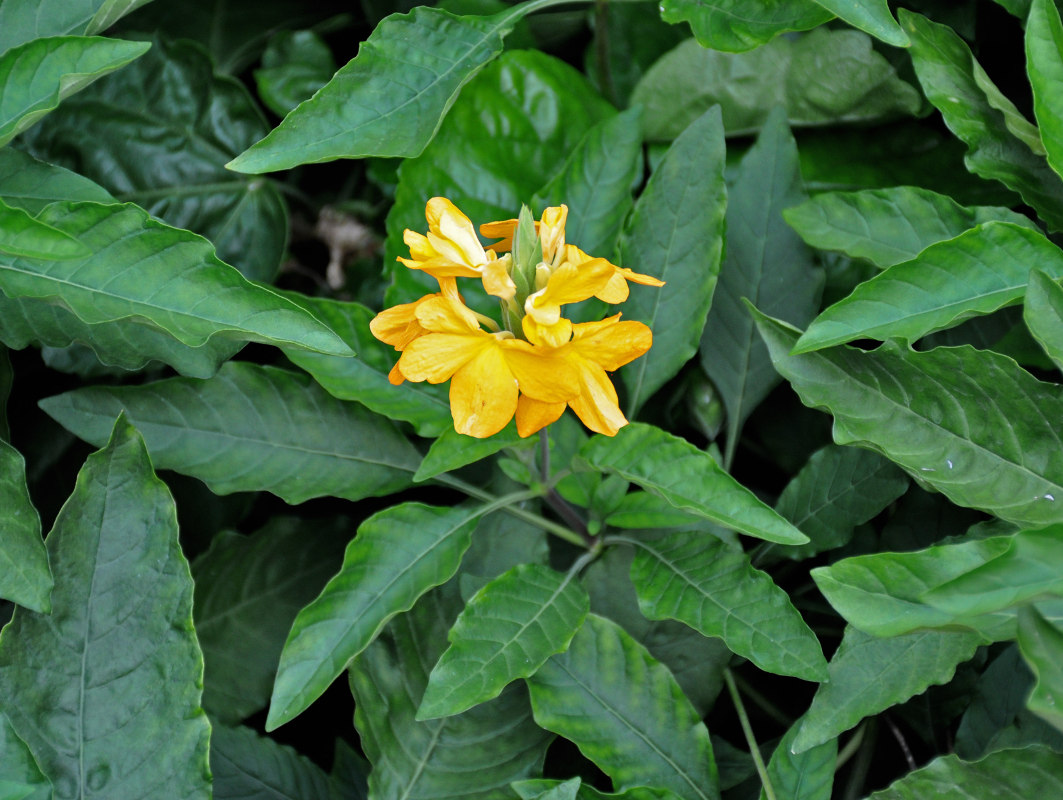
x=474, y=756
x=391, y=98
x=251, y=428
x=249, y=590
x=453, y=450
x=35, y=77
x=7, y=378
x=676, y=234
x=295, y=65
x=940, y=415
x=541, y=789
x=697, y=579
x=25, y=577
x=869, y=675
x=689, y=479
x=1044, y=65
x=25, y=20
x=889, y=226
x=568, y=790
x=766, y=263
x=399, y=554
x=163, y=144
x=246, y=765
x=116, y=713
x=30, y=184
x=1041, y=644
x=954, y=82
x=645, y=510
x=507, y=631
x=1043, y=314
x=838, y=489
x=22, y=235
x=978, y=272
x=802, y=776
x=22, y=778
x=786, y=72
x=1026, y=772
x=625, y=712
x=735, y=26
x=872, y=16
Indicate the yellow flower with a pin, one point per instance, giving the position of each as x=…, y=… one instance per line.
x=551, y=232
x=616, y=289
x=569, y=283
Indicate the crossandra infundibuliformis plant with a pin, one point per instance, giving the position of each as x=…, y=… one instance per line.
x=431, y=499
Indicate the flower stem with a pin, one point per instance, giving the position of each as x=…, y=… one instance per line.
x=762, y=771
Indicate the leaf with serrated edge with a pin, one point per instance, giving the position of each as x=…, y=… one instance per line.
x=506, y=631
x=1026, y=772
x=251, y=428
x=397, y=556
x=25, y=577
x=676, y=233
x=699, y=580
x=869, y=675
x=25, y=20
x=870, y=16
x=246, y=765
x=625, y=712
x=687, y=478
x=978, y=272
x=939, y=415
x=1044, y=65
x=735, y=26
x=1043, y=314
x=117, y=709
x=453, y=450
x=802, y=776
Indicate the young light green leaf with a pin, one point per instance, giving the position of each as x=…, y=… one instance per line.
x=246, y=765
x=869, y=675
x=25, y=577
x=391, y=98
x=978, y=272
x=249, y=590
x=872, y=16
x=21, y=777
x=1043, y=314
x=676, y=234
x=889, y=226
x=453, y=450
x=35, y=77
x=22, y=235
x=117, y=711
x=689, y=479
x=697, y=579
x=1044, y=65
x=1041, y=644
x=295, y=65
x=802, y=776
x=940, y=415
x=25, y=20
x=252, y=428
x=955, y=83
x=30, y=184
x=474, y=755
x=625, y=712
x=735, y=26
x=1025, y=772
x=399, y=554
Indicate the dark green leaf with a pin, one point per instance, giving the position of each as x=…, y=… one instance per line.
x=1029, y=772
x=7, y=378
x=802, y=776
x=252, y=428
x=25, y=577
x=941, y=415
x=625, y=712
x=999, y=696
x=295, y=65
x=687, y=478
x=116, y=713
x=872, y=16
x=247, y=766
x=1041, y=644
x=28, y=183
x=869, y=675
x=453, y=450
x=645, y=510
x=1043, y=314
x=20, y=777
x=1044, y=65
x=530, y=790
x=676, y=234
x=24, y=20
x=22, y=235
x=398, y=555
x=735, y=26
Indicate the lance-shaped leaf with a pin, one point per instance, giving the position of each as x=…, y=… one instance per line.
x=398, y=555
x=625, y=712
x=978, y=272
x=1043, y=314
x=869, y=675
x=802, y=776
x=22, y=235
x=507, y=631
x=24, y=20
x=981, y=117
x=871, y=16
x=167, y=277
x=676, y=234
x=474, y=755
x=251, y=428
x=246, y=765
x=968, y=422
x=453, y=450
x=689, y=479
x=734, y=26
x=889, y=226
x=25, y=577
x=36, y=76
x=1044, y=65
x=30, y=184
x=1041, y=644
x=20, y=777
x=295, y=65
x=105, y=690
x=1026, y=772
x=391, y=98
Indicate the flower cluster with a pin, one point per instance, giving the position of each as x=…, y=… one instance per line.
x=536, y=362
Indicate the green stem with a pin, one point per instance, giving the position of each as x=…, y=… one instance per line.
x=762, y=771
x=850, y=748
x=762, y=702
x=854, y=787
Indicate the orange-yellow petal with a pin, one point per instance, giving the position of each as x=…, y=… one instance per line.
x=615, y=290
x=395, y=377
x=554, y=335
x=638, y=277
x=502, y=229
x=496, y=279
x=552, y=232
x=532, y=414
x=543, y=373
x=442, y=314
x=398, y=325
x=597, y=405
x=435, y=357
x=569, y=283
x=483, y=394
x=611, y=343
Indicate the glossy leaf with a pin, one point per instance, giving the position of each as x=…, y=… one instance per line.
x=940, y=415
x=30, y=184
x=474, y=755
x=540, y=789
x=507, y=630
x=249, y=590
x=889, y=226
x=1026, y=772
x=116, y=713
x=872, y=16
x=808, y=775
x=25, y=20
x=295, y=65
x=687, y=478
x=1044, y=65
x=676, y=234
x=954, y=82
x=1043, y=314
x=1041, y=644
x=869, y=675
x=35, y=77
x=697, y=579
x=246, y=765
x=22, y=235
x=735, y=26
x=20, y=777
x=453, y=450
x=645, y=510
x=399, y=554
x=625, y=712
x=25, y=577
x=251, y=428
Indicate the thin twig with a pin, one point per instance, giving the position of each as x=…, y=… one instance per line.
x=747, y=730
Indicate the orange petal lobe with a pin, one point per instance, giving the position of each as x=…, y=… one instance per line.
x=483, y=394
x=533, y=415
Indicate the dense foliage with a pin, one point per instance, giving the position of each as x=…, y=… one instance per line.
x=824, y=559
